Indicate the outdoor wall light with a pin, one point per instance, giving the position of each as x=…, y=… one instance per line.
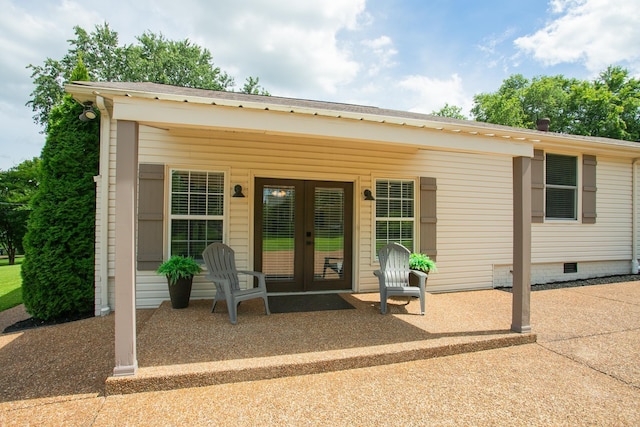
x=368, y=195
x=88, y=113
x=237, y=191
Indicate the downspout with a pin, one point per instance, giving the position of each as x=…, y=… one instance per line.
x=634, y=217
x=103, y=179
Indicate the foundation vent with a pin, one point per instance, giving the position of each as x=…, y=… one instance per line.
x=571, y=267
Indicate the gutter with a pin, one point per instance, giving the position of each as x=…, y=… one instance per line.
x=103, y=181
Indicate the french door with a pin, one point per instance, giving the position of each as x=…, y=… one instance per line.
x=303, y=234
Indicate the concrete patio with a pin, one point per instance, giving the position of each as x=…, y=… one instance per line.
x=192, y=347
x=583, y=369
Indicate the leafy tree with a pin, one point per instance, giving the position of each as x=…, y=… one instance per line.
x=609, y=106
x=451, y=111
x=17, y=187
x=159, y=60
x=504, y=106
x=252, y=87
x=152, y=59
x=58, y=271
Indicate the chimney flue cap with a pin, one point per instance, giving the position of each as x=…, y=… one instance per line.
x=543, y=124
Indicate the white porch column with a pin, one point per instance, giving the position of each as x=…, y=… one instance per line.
x=521, y=313
x=125, y=232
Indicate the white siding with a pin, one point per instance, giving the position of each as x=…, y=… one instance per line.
x=608, y=239
x=474, y=209
x=600, y=249
x=474, y=197
x=637, y=242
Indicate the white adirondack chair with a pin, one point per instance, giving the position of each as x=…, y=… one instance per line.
x=220, y=261
x=393, y=276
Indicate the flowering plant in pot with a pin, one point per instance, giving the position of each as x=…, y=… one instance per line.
x=179, y=271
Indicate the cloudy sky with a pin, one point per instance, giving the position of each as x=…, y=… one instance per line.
x=410, y=55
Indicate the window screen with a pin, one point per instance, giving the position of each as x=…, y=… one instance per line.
x=561, y=188
x=395, y=212
x=197, y=211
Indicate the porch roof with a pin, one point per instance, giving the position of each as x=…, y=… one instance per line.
x=497, y=139
x=169, y=107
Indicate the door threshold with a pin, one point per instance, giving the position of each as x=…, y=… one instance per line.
x=343, y=291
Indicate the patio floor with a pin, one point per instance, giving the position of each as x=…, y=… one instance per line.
x=192, y=347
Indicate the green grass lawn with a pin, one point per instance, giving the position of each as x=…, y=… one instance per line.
x=10, y=284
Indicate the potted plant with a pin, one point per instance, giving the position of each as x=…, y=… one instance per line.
x=179, y=271
x=420, y=262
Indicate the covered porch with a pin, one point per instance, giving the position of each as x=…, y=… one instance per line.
x=193, y=347
x=164, y=126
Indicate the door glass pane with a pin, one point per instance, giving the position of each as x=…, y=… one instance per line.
x=329, y=233
x=278, y=228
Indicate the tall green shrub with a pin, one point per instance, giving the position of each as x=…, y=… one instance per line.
x=58, y=271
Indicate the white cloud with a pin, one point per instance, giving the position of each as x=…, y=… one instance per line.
x=383, y=52
x=595, y=32
x=292, y=46
x=429, y=94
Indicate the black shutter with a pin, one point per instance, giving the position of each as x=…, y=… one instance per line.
x=428, y=218
x=150, y=216
x=537, y=187
x=589, y=189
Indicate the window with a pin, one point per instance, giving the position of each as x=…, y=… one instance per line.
x=395, y=217
x=561, y=189
x=197, y=211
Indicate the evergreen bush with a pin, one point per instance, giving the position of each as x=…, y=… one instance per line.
x=58, y=271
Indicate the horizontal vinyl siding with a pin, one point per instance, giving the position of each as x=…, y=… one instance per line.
x=474, y=203
x=474, y=218
x=608, y=239
x=637, y=243
x=474, y=197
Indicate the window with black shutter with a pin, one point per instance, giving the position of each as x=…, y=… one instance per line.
x=561, y=189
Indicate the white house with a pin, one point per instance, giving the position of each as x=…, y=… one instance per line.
x=307, y=191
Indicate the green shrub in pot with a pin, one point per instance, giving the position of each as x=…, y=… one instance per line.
x=421, y=262
x=179, y=271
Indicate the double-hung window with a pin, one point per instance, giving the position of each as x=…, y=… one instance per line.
x=197, y=211
x=395, y=212
x=561, y=189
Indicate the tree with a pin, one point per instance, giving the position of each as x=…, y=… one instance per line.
x=152, y=59
x=451, y=111
x=17, y=187
x=252, y=87
x=609, y=106
x=504, y=106
x=180, y=63
x=58, y=271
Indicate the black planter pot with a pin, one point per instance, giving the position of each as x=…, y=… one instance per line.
x=180, y=292
x=413, y=280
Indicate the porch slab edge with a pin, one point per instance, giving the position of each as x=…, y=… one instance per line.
x=180, y=376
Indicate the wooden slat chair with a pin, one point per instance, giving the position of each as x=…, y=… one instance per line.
x=393, y=276
x=220, y=261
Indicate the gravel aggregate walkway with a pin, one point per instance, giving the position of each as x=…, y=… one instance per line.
x=583, y=370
